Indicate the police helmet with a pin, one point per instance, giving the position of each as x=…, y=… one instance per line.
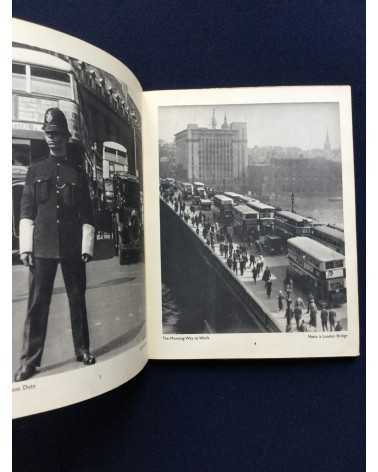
x=55, y=120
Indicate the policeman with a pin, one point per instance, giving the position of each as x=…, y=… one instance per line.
x=56, y=226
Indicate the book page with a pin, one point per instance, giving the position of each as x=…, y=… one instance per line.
x=79, y=320
x=250, y=214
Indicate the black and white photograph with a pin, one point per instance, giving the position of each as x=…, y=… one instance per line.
x=252, y=218
x=77, y=221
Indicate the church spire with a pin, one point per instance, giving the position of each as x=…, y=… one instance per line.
x=225, y=124
x=213, y=120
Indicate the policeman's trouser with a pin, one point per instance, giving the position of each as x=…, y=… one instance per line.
x=41, y=280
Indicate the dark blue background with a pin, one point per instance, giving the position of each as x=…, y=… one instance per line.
x=284, y=415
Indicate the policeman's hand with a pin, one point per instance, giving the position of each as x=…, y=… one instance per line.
x=86, y=258
x=27, y=259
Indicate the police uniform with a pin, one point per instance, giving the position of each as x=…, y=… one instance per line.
x=56, y=226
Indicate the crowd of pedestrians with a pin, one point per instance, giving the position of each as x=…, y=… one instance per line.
x=240, y=259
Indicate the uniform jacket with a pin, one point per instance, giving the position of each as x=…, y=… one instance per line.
x=56, y=199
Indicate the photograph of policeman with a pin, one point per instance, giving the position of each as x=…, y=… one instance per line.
x=56, y=210
x=78, y=268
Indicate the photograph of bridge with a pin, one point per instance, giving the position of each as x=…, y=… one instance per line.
x=251, y=211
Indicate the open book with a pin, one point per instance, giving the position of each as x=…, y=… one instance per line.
x=187, y=224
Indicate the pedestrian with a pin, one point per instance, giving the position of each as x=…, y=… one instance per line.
x=241, y=263
x=280, y=300
x=332, y=319
x=324, y=318
x=288, y=316
x=269, y=287
x=56, y=227
x=313, y=312
x=299, y=303
x=235, y=266
x=225, y=248
x=254, y=273
x=297, y=313
x=229, y=262
x=266, y=275
x=251, y=260
x=310, y=298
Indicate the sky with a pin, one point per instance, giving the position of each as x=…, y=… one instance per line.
x=301, y=125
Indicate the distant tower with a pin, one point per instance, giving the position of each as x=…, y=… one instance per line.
x=213, y=120
x=327, y=144
x=225, y=124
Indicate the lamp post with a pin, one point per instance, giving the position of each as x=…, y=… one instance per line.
x=292, y=202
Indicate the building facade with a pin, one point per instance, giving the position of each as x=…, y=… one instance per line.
x=215, y=156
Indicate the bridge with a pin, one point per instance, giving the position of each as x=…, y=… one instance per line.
x=215, y=297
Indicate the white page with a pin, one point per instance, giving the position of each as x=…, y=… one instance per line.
x=115, y=293
x=173, y=343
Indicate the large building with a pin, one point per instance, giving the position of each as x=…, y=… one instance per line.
x=215, y=156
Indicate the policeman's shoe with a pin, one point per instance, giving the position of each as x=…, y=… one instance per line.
x=86, y=358
x=24, y=373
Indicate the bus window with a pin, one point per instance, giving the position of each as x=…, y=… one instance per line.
x=19, y=77
x=50, y=82
x=21, y=153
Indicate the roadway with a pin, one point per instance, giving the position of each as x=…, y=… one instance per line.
x=278, y=265
x=115, y=305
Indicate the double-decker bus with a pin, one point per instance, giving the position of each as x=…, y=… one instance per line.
x=114, y=159
x=245, y=220
x=330, y=236
x=187, y=189
x=319, y=268
x=205, y=205
x=199, y=189
x=223, y=209
x=266, y=215
x=289, y=225
x=235, y=197
x=39, y=81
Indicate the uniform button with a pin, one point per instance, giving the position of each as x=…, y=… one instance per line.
x=57, y=177
x=58, y=221
x=58, y=206
x=58, y=164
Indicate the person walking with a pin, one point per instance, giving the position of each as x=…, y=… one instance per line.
x=313, y=312
x=229, y=262
x=251, y=260
x=280, y=300
x=241, y=264
x=266, y=275
x=288, y=316
x=254, y=274
x=324, y=318
x=56, y=227
x=235, y=266
x=332, y=319
x=269, y=287
x=298, y=312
